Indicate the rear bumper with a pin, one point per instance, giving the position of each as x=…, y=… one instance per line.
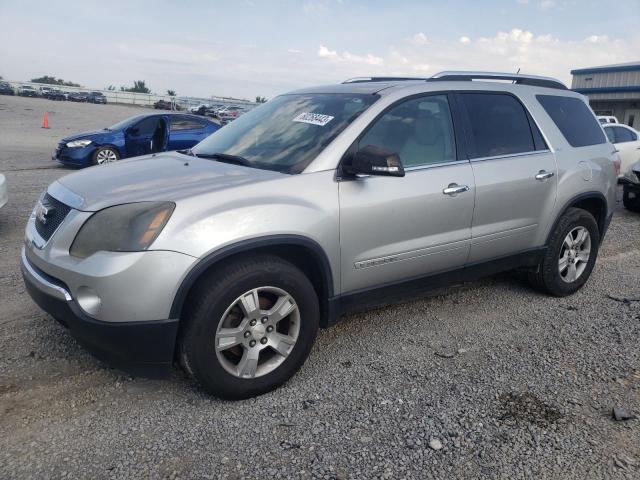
x=139, y=348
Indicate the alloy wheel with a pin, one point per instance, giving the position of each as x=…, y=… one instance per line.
x=257, y=332
x=574, y=254
x=106, y=156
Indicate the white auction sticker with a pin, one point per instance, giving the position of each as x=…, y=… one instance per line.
x=313, y=118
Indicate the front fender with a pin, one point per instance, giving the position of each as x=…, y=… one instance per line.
x=304, y=205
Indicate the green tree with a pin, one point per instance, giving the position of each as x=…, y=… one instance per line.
x=139, y=86
x=51, y=80
x=260, y=99
x=171, y=93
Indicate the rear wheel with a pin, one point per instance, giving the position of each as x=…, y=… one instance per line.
x=570, y=256
x=105, y=155
x=631, y=200
x=250, y=327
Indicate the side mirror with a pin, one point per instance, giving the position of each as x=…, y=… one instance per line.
x=372, y=160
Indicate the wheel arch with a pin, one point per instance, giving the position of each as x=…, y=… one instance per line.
x=593, y=202
x=303, y=252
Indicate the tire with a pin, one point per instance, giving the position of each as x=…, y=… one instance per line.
x=550, y=277
x=104, y=155
x=631, y=204
x=214, y=302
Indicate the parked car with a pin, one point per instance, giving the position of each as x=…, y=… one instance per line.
x=213, y=111
x=230, y=112
x=27, y=91
x=4, y=195
x=77, y=96
x=96, y=97
x=230, y=255
x=139, y=135
x=627, y=143
x=199, y=109
x=56, y=94
x=604, y=119
x=45, y=89
x=6, y=89
x=631, y=188
x=162, y=105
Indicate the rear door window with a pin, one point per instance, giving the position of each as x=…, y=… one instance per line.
x=498, y=125
x=623, y=135
x=574, y=119
x=184, y=123
x=611, y=135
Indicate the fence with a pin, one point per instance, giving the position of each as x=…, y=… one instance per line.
x=143, y=99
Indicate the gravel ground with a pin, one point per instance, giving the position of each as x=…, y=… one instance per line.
x=487, y=380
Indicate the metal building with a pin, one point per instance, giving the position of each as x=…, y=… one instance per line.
x=612, y=90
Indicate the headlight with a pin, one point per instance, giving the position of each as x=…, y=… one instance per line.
x=131, y=227
x=78, y=143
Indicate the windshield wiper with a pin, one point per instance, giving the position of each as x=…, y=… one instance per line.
x=187, y=152
x=226, y=158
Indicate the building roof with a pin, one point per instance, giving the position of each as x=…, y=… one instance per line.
x=619, y=67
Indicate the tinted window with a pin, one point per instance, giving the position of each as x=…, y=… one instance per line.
x=288, y=132
x=182, y=123
x=610, y=134
x=498, y=125
x=574, y=119
x=624, y=135
x=146, y=127
x=420, y=131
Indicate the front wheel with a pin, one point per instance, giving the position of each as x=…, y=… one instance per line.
x=104, y=155
x=570, y=256
x=249, y=327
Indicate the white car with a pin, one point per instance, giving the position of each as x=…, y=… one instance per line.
x=627, y=143
x=198, y=107
x=3, y=191
x=607, y=119
x=44, y=90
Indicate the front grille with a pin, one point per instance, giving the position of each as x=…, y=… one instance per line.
x=50, y=213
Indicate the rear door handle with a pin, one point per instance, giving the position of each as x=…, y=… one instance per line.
x=453, y=189
x=543, y=175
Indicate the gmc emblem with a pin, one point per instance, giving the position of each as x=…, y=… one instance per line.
x=44, y=211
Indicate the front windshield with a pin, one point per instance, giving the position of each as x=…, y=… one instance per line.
x=288, y=132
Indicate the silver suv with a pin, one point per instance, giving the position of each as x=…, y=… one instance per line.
x=229, y=256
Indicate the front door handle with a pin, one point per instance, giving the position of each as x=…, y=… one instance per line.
x=453, y=189
x=543, y=175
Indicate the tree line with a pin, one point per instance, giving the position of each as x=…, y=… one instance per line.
x=139, y=86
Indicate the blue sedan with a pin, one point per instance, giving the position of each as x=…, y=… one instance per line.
x=139, y=135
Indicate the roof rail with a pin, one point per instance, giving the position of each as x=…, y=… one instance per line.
x=382, y=79
x=520, y=79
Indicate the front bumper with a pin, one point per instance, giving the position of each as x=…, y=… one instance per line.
x=76, y=157
x=143, y=348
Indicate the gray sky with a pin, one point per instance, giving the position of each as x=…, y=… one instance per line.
x=246, y=48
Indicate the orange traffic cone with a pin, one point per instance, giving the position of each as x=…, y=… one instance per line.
x=45, y=120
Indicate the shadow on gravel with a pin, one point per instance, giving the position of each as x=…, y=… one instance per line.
x=526, y=407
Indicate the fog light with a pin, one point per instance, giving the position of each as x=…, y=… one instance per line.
x=88, y=300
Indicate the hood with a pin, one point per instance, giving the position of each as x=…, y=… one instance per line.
x=167, y=176
x=90, y=134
